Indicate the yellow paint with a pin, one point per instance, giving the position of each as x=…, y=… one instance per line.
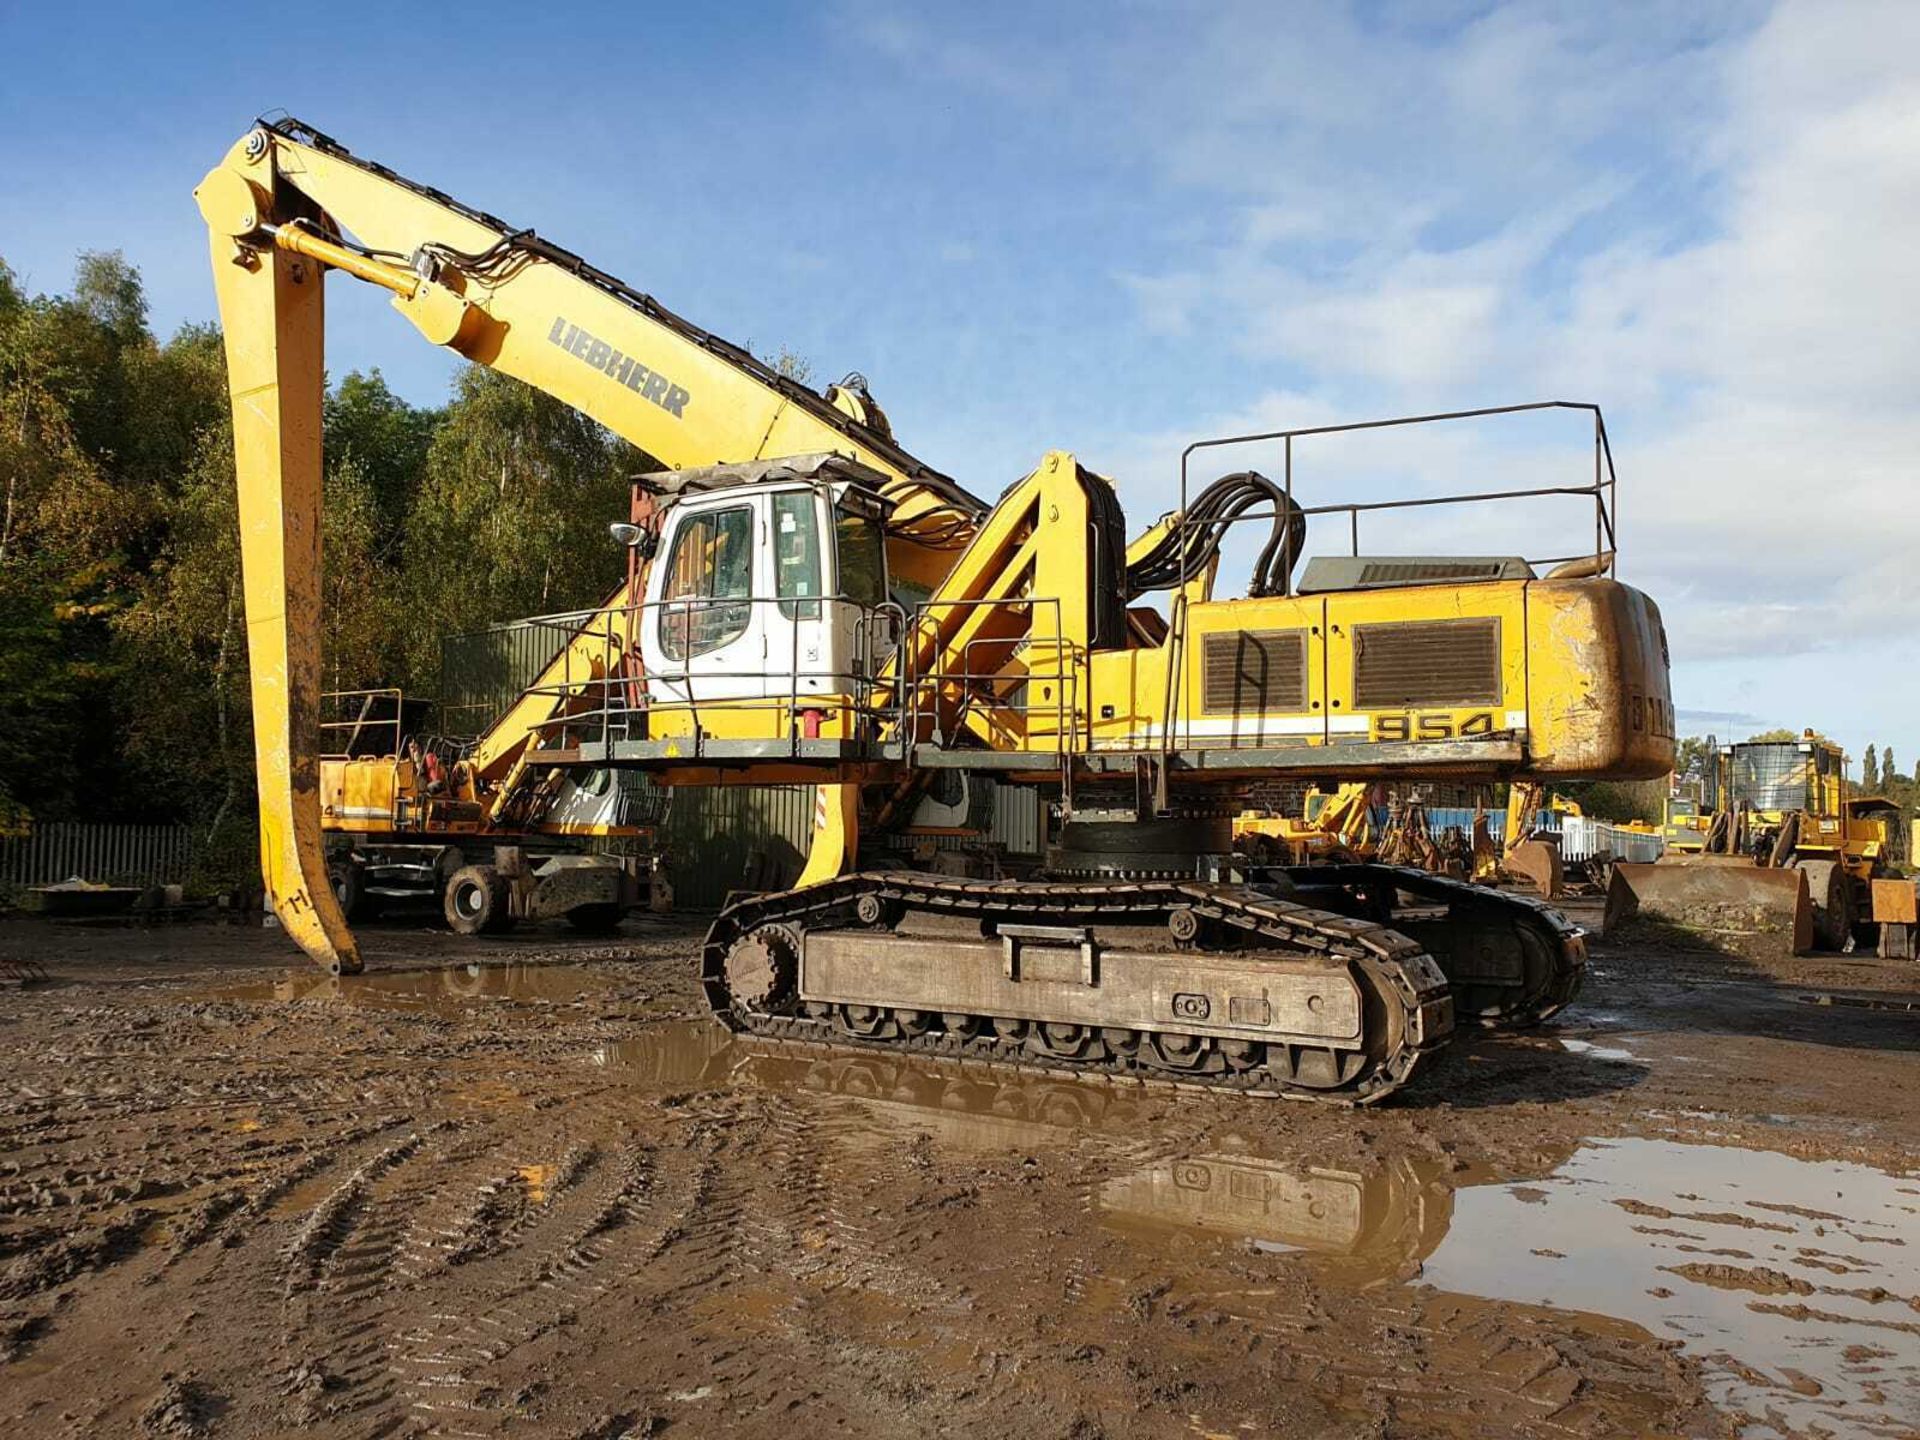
x=836, y=833
x=271, y=312
x=536, y=1178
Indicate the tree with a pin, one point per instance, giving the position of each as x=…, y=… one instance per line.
x=1870, y=770
x=1695, y=756
x=124, y=690
x=1889, y=773
x=788, y=362
x=387, y=439
x=512, y=518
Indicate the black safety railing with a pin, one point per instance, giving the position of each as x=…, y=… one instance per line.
x=1601, y=492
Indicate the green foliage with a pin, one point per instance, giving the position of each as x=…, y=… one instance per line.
x=1696, y=756
x=124, y=692
x=1619, y=800
x=512, y=519
x=1870, y=770
x=370, y=427
x=790, y=363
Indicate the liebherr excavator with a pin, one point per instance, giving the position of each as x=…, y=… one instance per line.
x=807, y=603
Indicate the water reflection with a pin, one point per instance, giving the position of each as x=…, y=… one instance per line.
x=444, y=989
x=1795, y=1282
x=1384, y=1218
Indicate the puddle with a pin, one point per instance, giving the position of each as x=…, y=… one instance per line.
x=1596, y=1052
x=1384, y=1220
x=1794, y=1283
x=678, y=1053
x=447, y=990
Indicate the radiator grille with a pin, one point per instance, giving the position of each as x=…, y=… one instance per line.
x=1253, y=672
x=1435, y=662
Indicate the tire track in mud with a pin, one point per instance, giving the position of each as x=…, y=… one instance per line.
x=602, y=1234
x=341, y=1273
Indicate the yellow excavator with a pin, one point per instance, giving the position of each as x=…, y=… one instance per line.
x=404, y=811
x=806, y=603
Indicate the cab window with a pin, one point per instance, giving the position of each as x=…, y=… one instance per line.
x=796, y=555
x=710, y=576
x=862, y=551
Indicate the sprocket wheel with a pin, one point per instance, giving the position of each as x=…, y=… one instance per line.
x=763, y=969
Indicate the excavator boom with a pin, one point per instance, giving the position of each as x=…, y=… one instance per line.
x=285, y=205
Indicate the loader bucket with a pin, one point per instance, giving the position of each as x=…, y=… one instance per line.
x=1726, y=900
x=1538, y=863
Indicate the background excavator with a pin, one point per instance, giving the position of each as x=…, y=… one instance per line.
x=1363, y=821
x=808, y=604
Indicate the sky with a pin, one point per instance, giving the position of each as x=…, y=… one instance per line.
x=1118, y=228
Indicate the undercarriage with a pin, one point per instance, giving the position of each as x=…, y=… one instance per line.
x=1224, y=986
x=1325, y=982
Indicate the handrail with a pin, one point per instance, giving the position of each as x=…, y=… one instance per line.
x=1604, y=488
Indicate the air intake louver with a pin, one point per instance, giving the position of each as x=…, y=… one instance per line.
x=1254, y=672
x=1439, y=662
x=1427, y=572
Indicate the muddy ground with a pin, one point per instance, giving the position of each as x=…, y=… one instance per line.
x=517, y=1187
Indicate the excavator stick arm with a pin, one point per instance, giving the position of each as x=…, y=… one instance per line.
x=272, y=308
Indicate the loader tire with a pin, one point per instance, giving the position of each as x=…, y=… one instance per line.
x=1830, y=889
x=349, y=879
x=477, y=901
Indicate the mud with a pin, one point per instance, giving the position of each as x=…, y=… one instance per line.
x=516, y=1186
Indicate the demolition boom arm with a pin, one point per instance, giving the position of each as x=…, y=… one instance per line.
x=286, y=205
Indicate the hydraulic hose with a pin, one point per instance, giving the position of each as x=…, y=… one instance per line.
x=1192, y=542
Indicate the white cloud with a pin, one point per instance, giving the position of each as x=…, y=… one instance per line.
x=1754, y=337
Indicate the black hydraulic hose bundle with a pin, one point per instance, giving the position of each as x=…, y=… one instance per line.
x=1194, y=540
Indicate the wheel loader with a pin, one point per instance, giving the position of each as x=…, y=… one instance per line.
x=1780, y=854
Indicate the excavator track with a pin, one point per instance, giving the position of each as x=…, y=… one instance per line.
x=1206, y=1005
x=1511, y=961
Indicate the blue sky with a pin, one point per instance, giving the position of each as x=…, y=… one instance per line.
x=1115, y=228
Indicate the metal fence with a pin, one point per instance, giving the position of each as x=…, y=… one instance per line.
x=482, y=672
x=1582, y=839
x=117, y=854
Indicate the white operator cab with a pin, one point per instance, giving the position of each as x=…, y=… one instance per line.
x=768, y=582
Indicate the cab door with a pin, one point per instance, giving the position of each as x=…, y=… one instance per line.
x=704, y=638
x=800, y=625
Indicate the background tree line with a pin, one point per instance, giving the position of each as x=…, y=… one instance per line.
x=123, y=667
